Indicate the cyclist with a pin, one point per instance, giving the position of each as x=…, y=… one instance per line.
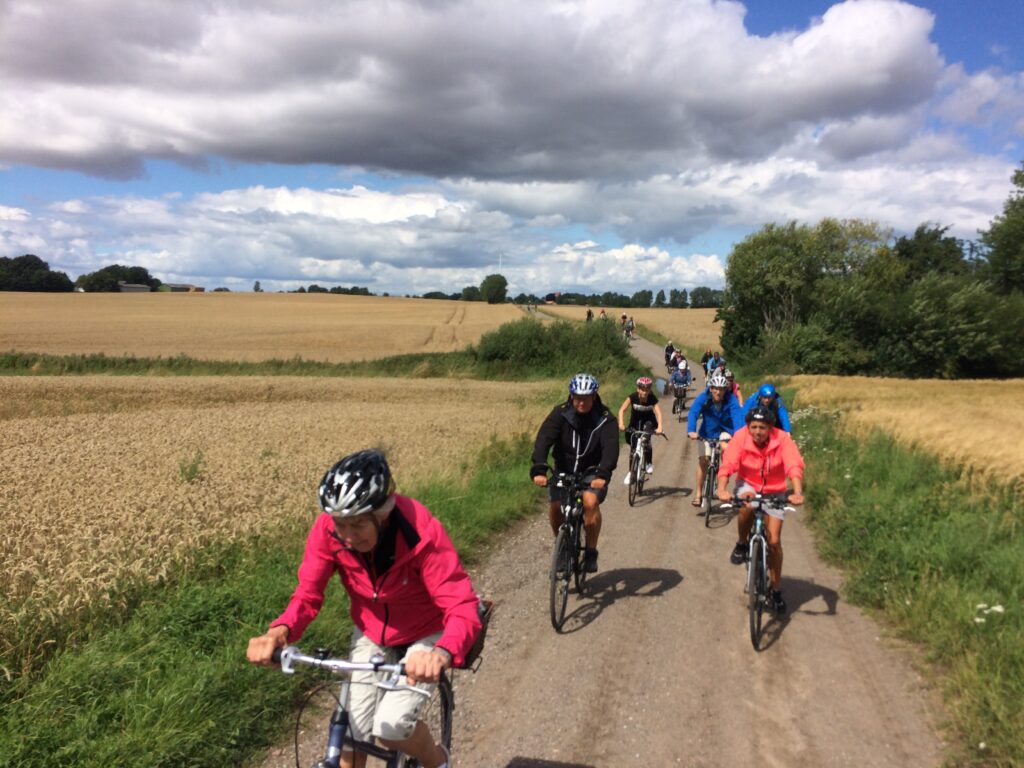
x=670, y=350
x=765, y=457
x=406, y=587
x=720, y=417
x=680, y=378
x=645, y=413
x=580, y=434
x=767, y=396
x=714, y=362
x=733, y=386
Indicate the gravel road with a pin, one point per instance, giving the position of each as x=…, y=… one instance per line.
x=654, y=665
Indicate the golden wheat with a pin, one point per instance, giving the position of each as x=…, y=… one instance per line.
x=969, y=423
x=694, y=329
x=140, y=473
x=242, y=326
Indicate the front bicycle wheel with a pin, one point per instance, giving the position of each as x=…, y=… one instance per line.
x=634, y=474
x=705, y=499
x=437, y=715
x=576, y=547
x=756, y=591
x=561, y=567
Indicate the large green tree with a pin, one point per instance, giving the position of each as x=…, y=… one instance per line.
x=30, y=273
x=494, y=289
x=1003, y=241
x=107, y=280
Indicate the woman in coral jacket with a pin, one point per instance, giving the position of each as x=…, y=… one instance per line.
x=407, y=590
x=765, y=458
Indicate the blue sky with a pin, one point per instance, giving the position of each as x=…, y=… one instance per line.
x=590, y=145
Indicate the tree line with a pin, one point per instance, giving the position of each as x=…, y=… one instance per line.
x=842, y=297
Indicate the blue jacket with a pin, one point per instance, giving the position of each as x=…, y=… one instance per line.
x=715, y=421
x=680, y=377
x=781, y=414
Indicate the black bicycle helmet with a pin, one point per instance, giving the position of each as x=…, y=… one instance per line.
x=762, y=414
x=359, y=484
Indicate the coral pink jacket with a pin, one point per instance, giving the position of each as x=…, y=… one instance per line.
x=765, y=469
x=425, y=590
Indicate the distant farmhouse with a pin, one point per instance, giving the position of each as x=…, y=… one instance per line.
x=124, y=287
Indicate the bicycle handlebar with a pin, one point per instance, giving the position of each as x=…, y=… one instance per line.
x=291, y=655
x=633, y=431
x=760, y=499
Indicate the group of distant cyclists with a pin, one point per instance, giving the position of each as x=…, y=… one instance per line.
x=410, y=598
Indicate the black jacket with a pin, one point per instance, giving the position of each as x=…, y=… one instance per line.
x=577, y=442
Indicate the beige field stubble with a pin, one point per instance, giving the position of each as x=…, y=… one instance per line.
x=967, y=423
x=92, y=489
x=694, y=329
x=242, y=326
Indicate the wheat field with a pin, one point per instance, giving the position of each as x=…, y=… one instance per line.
x=107, y=480
x=968, y=423
x=242, y=326
x=694, y=329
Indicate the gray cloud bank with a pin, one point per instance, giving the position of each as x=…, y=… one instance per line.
x=652, y=123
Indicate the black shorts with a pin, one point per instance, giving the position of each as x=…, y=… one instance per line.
x=556, y=494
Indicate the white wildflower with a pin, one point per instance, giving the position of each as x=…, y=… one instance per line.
x=979, y=620
x=981, y=606
x=996, y=609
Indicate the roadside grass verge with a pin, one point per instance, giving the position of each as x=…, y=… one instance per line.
x=169, y=685
x=941, y=561
x=521, y=350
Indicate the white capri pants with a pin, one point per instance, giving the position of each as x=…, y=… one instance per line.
x=390, y=715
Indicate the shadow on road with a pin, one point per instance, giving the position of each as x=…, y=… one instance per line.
x=607, y=588
x=653, y=493
x=531, y=762
x=800, y=592
x=718, y=517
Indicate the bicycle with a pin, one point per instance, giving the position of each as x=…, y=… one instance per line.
x=679, y=401
x=756, y=585
x=710, y=478
x=437, y=715
x=567, y=554
x=638, y=462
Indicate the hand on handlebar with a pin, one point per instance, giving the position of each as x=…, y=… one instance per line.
x=598, y=483
x=796, y=498
x=262, y=648
x=692, y=435
x=725, y=496
x=424, y=666
x=540, y=481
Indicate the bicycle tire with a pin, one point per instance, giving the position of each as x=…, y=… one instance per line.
x=576, y=547
x=560, y=557
x=756, y=591
x=705, y=499
x=634, y=471
x=438, y=716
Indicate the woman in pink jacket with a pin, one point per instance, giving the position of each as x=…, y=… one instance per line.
x=406, y=587
x=765, y=458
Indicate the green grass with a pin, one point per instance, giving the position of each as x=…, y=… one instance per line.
x=168, y=685
x=918, y=546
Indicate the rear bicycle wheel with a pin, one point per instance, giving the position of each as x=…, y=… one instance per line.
x=634, y=471
x=437, y=715
x=756, y=591
x=561, y=567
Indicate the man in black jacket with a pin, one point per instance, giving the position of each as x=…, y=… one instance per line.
x=583, y=436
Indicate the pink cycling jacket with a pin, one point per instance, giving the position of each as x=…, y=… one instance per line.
x=765, y=469
x=425, y=590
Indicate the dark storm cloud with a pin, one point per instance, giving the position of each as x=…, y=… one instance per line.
x=521, y=91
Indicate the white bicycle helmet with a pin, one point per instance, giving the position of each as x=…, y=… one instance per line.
x=682, y=365
x=359, y=484
x=583, y=384
x=718, y=380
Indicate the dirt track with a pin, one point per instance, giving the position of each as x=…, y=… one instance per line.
x=655, y=664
